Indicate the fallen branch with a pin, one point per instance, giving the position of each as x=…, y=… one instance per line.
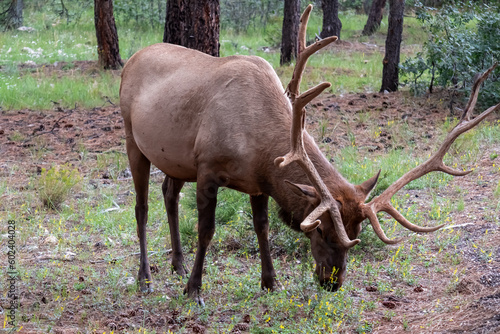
x=51, y=131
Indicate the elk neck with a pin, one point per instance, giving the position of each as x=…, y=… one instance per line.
x=294, y=208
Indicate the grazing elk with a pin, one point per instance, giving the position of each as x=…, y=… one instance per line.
x=227, y=122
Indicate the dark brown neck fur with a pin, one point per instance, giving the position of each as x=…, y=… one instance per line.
x=294, y=208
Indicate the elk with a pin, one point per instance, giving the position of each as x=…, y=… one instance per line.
x=228, y=122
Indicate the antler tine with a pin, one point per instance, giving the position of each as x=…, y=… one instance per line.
x=475, y=92
x=372, y=216
x=297, y=152
x=304, y=53
x=434, y=163
x=304, y=18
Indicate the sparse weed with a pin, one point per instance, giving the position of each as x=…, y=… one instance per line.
x=55, y=184
x=111, y=165
x=16, y=136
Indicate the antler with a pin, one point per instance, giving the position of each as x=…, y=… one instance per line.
x=303, y=55
x=297, y=152
x=434, y=163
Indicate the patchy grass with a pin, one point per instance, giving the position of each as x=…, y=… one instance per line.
x=27, y=58
x=77, y=265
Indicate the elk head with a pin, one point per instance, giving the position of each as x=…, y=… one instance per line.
x=335, y=216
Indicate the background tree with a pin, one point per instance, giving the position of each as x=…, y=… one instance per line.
x=107, y=37
x=290, y=31
x=374, y=17
x=331, y=22
x=390, y=73
x=12, y=16
x=193, y=24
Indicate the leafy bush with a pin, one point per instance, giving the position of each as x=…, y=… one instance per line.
x=356, y=5
x=462, y=43
x=241, y=14
x=55, y=184
x=150, y=12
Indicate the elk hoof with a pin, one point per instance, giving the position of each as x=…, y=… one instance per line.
x=146, y=286
x=180, y=270
x=145, y=282
x=269, y=286
x=195, y=295
x=269, y=283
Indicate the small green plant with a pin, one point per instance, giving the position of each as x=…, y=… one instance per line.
x=112, y=164
x=16, y=136
x=461, y=204
x=406, y=326
x=323, y=126
x=389, y=315
x=55, y=184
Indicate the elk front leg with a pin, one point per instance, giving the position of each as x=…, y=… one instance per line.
x=206, y=199
x=261, y=226
x=140, y=167
x=171, y=189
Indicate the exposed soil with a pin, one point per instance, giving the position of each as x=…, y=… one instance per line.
x=31, y=139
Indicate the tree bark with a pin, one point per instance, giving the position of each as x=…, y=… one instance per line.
x=193, y=24
x=331, y=22
x=108, y=50
x=390, y=73
x=374, y=18
x=290, y=31
x=12, y=18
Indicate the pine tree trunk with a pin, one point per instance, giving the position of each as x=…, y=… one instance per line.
x=331, y=22
x=374, y=18
x=290, y=31
x=107, y=38
x=390, y=73
x=12, y=18
x=193, y=24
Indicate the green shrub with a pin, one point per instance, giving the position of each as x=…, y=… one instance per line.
x=55, y=184
x=462, y=43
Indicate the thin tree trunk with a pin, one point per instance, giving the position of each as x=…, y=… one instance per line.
x=374, y=18
x=290, y=31
x=193, y=24
x=107, y=38
x=12, y=18
x=390, y=73
x=331, y=22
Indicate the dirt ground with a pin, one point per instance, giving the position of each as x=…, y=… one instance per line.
x=61, y=135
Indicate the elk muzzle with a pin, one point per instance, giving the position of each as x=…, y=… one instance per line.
x=330, y=279
x=331, y=260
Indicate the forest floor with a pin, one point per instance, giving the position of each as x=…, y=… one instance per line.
x=34, y=139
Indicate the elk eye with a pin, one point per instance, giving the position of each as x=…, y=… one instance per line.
x=319, y=231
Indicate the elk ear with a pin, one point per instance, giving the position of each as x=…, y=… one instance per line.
x=367, y=186
x=304, y=190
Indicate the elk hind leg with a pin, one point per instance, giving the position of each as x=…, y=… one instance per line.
x=140, y=168
x=171, y=189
